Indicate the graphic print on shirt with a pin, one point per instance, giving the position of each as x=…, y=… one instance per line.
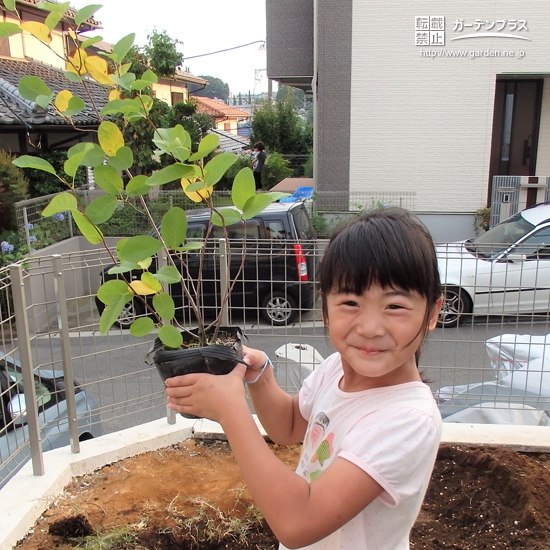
x=317, y=446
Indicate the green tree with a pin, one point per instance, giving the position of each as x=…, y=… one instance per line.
x=43, y=183
x=216, y=89
x=280, y=127
x=163, y=55
x=14, y=187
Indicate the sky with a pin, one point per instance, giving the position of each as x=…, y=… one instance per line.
x=203, y=26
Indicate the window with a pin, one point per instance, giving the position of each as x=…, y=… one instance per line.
x=177, y=97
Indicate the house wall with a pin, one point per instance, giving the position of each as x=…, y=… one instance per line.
x=25, y=45
x=424, y=124
x=163, y=91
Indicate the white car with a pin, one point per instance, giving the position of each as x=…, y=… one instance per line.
x=505, y=271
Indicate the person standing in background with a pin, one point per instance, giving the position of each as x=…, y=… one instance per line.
x=258, y=160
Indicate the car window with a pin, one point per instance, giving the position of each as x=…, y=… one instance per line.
x=303, y=224
x=536, y=246
x=238, y=231
x=499, y=238
x=276, y=229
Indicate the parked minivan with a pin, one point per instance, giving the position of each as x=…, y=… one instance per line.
x=277, y=281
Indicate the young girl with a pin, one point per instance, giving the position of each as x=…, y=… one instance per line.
x=370, y=427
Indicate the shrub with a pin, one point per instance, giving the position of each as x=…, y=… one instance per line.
x=14, y=187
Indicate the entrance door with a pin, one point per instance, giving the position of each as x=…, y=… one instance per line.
x=516, y=122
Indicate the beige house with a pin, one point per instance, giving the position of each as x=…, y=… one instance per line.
x=225, y=116
x=27, y=128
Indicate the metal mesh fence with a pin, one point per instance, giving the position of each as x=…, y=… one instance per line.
x=328, y=209
x=491, y=367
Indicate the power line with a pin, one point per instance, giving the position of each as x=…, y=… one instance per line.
x=226, y=50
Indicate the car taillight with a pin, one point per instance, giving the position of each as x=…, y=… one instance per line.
x=301, y=264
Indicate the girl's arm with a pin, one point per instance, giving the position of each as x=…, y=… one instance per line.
x=298, y=512
x=277, y=411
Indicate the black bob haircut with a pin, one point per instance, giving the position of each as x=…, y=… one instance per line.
x=388, y=247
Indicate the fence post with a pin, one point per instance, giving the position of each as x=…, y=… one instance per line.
x=63, y=323
x=27, y=371
x=162, y=262
x=26, y=227
x=224, y=280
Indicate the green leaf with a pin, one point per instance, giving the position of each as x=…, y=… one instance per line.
x=90, y=232
x=142, y=327
x=112, y=290
x=27, y=161
x=170, y=173
x=124, y=267
x=256, y=204
x=170, y=336
x=137, y=186
x=122, y=47
x=9, y=5
x=57, y=8
x=175, y=141
x=147, y=79
x=190, y=246
x=108, y=179
x=226, y=216
x=110, y=137
x=101, y=209
x=90, y=42
x=72, y=77
x=87, y=154
x=217, y=167
x=35, y=89
x=73, y=161
x=173, y=227
x=150, y=280
x=76, y=105
x=60, y=203
x=125, y=81
x=168, y=274
x=112, y=312
x=122, y=106
x=9, y=29
x=209, y=143
x=244, y=187
x=123, y=159
x=138, y=248
x=164, y=306
x=85, y=13
x=53, y=19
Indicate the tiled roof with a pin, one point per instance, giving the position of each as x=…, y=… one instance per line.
x=70, y=12
x=230, y=143
x=14, y=109
x=218, y=108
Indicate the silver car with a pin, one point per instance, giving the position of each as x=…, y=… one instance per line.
x=504, y=271
x=52, y=409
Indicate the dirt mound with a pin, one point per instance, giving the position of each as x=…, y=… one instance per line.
x=192, y=496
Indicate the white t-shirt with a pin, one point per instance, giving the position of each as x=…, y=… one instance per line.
x=392, y=433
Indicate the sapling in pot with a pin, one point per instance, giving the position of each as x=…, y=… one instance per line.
x=129, y=99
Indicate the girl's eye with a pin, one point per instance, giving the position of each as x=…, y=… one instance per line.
x=349, y=303
x=395, y=306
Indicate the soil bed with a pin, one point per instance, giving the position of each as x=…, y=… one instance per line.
x=192, y=496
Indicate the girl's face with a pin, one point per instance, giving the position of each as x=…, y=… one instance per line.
x=377, y=334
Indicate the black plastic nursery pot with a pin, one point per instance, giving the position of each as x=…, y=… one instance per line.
x=215, y=359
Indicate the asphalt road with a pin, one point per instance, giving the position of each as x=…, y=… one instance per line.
x=130, y=392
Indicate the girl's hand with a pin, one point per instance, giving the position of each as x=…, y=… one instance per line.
x=207, y=395
x=256, y=359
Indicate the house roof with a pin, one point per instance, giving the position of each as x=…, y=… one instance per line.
x=218, y=108
x=230, y=143
x=14, y=109
x=71, y=12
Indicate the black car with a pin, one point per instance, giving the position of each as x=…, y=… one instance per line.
x=278, y=276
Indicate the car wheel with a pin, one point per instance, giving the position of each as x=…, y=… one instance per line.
x=456, y=303
x=132, y=310
x=279, y=308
